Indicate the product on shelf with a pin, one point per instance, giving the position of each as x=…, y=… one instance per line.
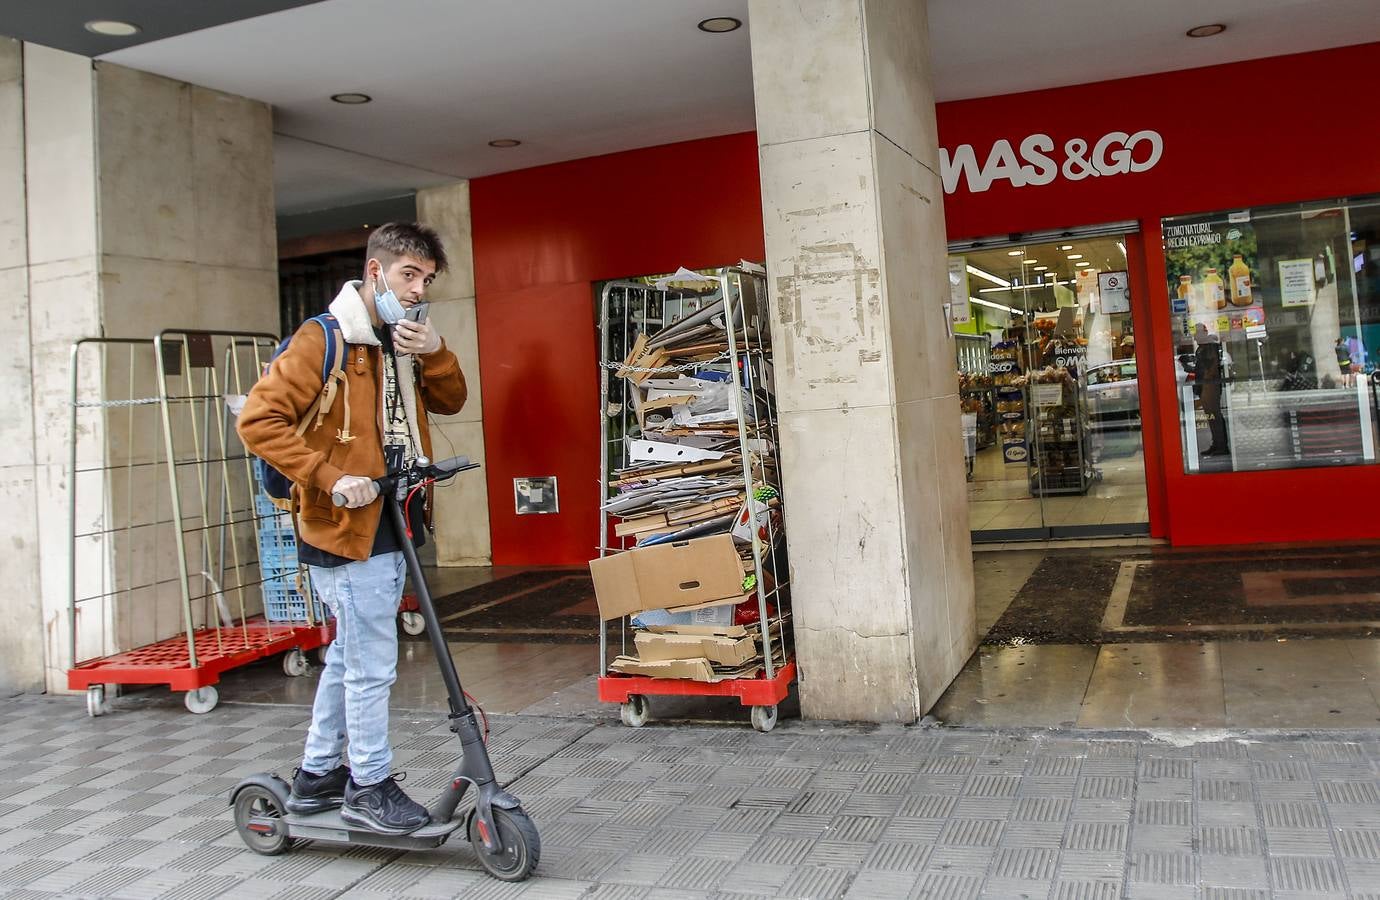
x=1215, y=289
x=1240, y=275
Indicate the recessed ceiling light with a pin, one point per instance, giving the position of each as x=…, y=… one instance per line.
x=1206, y=30
x=1066, y=247
x=1014, y=252
x=1029, y=262
x=1041, y=268
x=1083, y=264
x=352, y=99
x=720, y=25
x=1075, y=256
x=504, y=143
x=112, y=28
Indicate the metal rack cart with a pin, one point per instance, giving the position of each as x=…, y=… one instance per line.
x=629, y=309
x=164, y=579
x=974, y=353
x=1060, y=460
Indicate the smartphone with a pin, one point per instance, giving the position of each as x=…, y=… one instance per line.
x=417, y=313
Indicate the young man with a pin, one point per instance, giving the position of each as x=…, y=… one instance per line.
x=396, y=371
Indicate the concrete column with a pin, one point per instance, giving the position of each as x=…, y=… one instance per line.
x=462, y=509
x=147, y=204
x=871, y=453
x=21, y=647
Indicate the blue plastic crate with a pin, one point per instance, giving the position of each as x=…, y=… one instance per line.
x=264, y=508
x=282, y=602
x=278, y=563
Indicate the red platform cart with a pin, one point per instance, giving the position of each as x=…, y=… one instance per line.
x=171, y=577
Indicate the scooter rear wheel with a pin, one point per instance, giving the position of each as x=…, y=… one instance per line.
x=519, y=843
x=255, y=802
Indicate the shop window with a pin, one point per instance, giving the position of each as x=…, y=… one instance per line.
x=1276, y=320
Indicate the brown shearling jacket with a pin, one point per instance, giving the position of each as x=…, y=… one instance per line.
x=316, y=459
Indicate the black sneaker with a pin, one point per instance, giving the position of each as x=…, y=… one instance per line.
x=383, y=807
x=312, y=793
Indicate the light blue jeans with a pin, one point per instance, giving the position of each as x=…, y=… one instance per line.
x=361, y=666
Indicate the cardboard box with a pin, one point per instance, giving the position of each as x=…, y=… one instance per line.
x=692, y=669
x=674, y=576
x=719, y=650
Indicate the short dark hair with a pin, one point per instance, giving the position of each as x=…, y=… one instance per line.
x=398, y=239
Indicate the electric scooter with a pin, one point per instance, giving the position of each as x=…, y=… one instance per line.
x=502, y=834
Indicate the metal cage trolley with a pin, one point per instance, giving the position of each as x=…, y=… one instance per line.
x=168, y=578
x=717, y=328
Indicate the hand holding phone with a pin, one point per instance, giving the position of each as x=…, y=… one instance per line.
x=417, y=313
x=415, y=335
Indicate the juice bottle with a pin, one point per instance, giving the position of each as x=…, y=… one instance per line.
x=1215, y=290
x=1240, y=281
x=1185, y=286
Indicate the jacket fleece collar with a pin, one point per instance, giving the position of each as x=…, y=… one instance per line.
x=357, y=328
x=349, y=310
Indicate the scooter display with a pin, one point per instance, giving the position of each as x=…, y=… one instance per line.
x=502, y=834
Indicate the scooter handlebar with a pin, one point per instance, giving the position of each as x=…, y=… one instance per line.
x=420, y=470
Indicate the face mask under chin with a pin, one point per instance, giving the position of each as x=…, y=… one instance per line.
x=389, y=308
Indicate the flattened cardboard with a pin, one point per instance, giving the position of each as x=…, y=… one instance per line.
x=680, y=575
x=721, y=651
x=691, y=669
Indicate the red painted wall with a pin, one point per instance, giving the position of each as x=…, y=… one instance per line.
x=1245, y=134
x=541, y=238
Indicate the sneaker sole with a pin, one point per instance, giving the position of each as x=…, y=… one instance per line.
x=364, y=820
x=308, y=807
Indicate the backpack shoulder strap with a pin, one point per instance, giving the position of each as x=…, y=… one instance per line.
x=332, y=378
x=334, y=357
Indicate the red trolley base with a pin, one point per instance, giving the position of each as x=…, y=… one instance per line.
x=217, y=650
x=759, y=691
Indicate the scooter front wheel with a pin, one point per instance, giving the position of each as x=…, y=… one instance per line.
x=519, y=845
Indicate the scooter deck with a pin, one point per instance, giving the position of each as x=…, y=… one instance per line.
x=328, y=826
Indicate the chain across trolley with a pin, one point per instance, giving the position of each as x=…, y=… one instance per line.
x=179, y=567
x=708, y=335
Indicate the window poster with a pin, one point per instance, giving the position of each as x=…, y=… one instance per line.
x=1296, y=284
x=1211, y=265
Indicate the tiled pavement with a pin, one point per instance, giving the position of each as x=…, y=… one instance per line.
x=134, y=805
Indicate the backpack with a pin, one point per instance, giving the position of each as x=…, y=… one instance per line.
x=277, y=485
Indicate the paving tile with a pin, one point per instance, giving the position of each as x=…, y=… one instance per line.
x=702, y=812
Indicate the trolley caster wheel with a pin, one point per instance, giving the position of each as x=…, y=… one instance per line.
x=635, y=711
x=413, y=623
x=254, y=805
x=764, y=718
x=95, y=701
x=519, y=845
x=201, y=700
x=295, y=664
x=321, y=654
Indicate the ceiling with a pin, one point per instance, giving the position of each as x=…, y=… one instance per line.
x=1031, y=269
x=61, y=24
x=579, y=79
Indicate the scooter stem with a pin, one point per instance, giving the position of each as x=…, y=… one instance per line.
x=459, y=706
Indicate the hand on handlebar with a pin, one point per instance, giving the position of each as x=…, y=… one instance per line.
x=355, y=490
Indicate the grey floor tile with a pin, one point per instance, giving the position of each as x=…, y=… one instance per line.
x=1029, y=685
x=1155, y=686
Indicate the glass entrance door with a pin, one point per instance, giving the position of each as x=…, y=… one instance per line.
x=1054, y=420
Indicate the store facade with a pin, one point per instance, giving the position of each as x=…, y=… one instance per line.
x=1150, y=179
x=1192, y=182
